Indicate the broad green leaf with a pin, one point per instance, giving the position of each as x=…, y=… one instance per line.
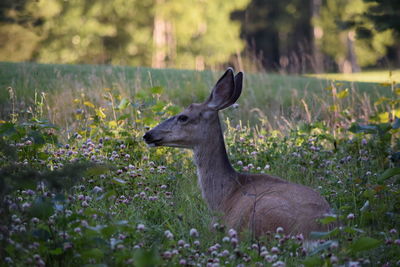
x=365, y=243
x=328, y=219
x=389, y=173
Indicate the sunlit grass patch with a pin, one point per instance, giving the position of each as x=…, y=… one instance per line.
x=378, y=76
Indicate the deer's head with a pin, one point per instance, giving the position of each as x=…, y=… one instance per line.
x=198, y=122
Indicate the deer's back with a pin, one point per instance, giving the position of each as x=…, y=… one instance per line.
x=261, y=203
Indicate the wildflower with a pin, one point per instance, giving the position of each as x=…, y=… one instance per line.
x=97, y=189
x=364, y=141
x=334, y=259
x=85, y=204
x=274, y=250
x=67, y=245
x=193, y=232
x=168, y=234
x=181, y=243
x=196, y=243
x=182, y=262
x=25, y=205
x=350, y=216
x=267, y=167
x=268, y=258
x=225, y=253
x=279, y=230
x=353, y=264
x=240, y=163
x=232, y=233
x=226, y=239
x=140, y=227
x=77, y=230
x=167, y=254
x=234, y=241
x=393, y=231
x=279, y=264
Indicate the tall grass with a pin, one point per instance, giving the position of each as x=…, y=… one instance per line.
x=278, y=101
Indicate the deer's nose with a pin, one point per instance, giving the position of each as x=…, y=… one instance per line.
x=147, y=137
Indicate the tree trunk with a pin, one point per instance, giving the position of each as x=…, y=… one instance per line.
x=317, y=33
x=159, y=40
x=351, y=54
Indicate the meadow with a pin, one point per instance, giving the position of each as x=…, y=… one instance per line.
x=79, y=186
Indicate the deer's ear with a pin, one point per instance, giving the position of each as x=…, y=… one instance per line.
x=225, y=91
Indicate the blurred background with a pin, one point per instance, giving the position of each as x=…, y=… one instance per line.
x=289, y=36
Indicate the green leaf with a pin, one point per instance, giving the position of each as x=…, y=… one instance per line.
x=343, y=93
x=93, y=253
x=57, y=251
x=321, y=235
x=322, y=247
x=328, y=220
x=156, y=90
x=365, y=243
x=41, y=208
x=118, y=181
x=389, y=173
x=123, y=104
x=358, y=128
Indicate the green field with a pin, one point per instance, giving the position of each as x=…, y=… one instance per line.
x=265, y=96
x=78, y=186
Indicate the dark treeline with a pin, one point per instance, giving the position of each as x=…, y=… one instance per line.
x=295, y=36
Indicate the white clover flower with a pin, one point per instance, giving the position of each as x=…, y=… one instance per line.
x=140, y=227
x=350, y=216
x=232, y=232
x=168, y=234
x=274, y=250
x=279, y=264
x=97, y=189
x=279, y=230
x=193, y=232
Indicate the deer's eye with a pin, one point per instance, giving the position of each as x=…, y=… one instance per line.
x=183, y=118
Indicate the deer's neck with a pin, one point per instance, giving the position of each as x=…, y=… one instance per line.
x=216, y=176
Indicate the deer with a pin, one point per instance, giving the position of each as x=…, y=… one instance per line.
x=259, y=203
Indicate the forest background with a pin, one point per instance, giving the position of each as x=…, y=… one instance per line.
x=291, y=36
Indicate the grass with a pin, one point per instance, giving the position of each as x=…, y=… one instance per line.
x=90, y=192
x=377, y=76
x=267, y=97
